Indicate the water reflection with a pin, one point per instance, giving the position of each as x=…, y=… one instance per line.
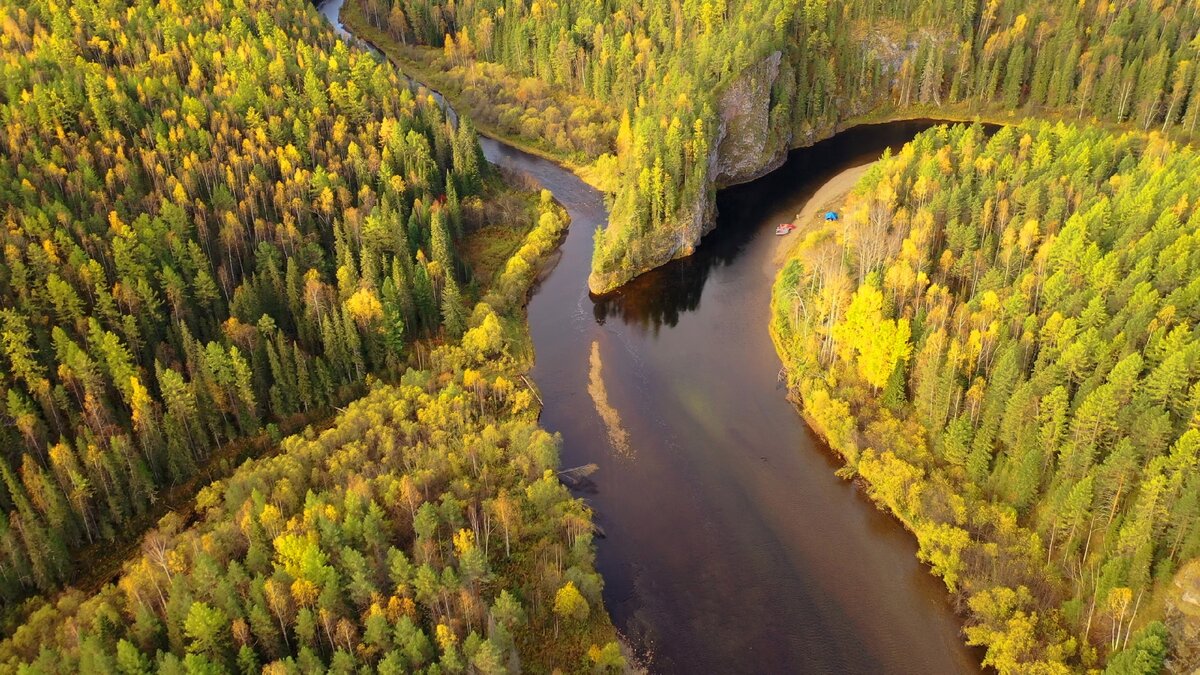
x=731, y=545
x=650, y=303
x=659, y=297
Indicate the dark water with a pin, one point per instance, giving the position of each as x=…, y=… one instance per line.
x=731, y=546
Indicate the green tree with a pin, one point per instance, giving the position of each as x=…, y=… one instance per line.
x=206, y=628
x=570, y=604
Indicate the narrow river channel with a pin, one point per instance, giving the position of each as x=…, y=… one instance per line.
x=731, y=546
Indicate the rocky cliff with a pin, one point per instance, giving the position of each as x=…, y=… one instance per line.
x=744, y=149
x=1183, y=619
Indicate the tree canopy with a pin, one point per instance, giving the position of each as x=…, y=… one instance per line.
x=217, y=216
x=426, y=530
x=638, y=87
x=1041, y=441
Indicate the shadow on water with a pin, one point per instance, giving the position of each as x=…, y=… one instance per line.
x=657, y=298
x=731, y=546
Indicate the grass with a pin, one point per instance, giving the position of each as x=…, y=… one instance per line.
x=496, y=232
x=487, y=249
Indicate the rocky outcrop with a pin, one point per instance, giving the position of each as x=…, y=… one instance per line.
x=1183, y=619
x=745, y=148
x=690, y=223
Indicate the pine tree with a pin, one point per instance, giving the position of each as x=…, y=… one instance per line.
x=454, y=314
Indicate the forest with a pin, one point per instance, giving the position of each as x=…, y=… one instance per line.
x=999, y=340
x=263, y=403
x=208, y=252
x=425, y=531
x=1041, y=275
x=655, y=73
x=223, y=225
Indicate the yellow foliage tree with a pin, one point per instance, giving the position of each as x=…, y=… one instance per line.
x=875, y=343
x=364, y=306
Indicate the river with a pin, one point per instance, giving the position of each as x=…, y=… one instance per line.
x=731, y=546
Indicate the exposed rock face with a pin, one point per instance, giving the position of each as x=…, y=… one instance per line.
x=691, y=222
x=744, y=149
x=1183, y=619
x=697, y=220
x=743, y=144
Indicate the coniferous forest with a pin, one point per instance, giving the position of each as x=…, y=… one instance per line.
x=681, y=92
x=221, y=222
x=200, y=241
x=265, y=361
x=1000, y=341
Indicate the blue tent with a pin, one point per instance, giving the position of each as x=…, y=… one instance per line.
x=831, y=215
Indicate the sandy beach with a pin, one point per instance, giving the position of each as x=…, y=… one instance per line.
x=826, y=196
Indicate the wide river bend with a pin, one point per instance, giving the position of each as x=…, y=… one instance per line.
x=731, y=546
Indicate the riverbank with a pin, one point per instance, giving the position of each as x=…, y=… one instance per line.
x=828, y=197
x=884, y=352
x=408, y=59
x=836, y=408
x=723, y=463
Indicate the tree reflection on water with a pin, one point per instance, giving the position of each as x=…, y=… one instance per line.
x=661, y=296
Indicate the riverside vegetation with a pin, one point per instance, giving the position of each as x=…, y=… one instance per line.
x=999, y=338
x=220, y=222
x=1062, y=557
x=667, y=101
